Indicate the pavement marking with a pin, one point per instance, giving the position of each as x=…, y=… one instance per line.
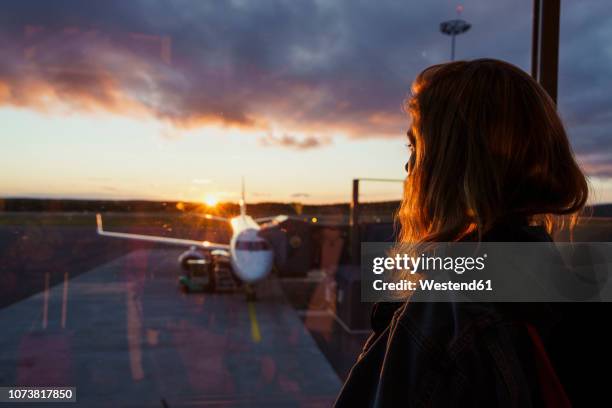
x=255, y=333
x=64, y=300
x=46, y=302
x=134, y=332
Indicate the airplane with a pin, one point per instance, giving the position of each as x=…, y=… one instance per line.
x=251, y=256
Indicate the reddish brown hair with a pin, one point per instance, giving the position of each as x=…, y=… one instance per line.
x=487, y=144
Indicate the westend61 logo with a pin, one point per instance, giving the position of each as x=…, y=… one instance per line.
x=424, y=262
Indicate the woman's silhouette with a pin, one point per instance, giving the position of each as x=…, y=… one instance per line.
x=490, y=161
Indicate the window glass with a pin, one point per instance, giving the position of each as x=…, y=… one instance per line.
x=585, y=101
x=162, y=116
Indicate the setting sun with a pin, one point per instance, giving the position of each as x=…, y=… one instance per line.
x=211, y=200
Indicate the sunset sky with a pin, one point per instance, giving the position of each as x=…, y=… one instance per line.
x=180, y=99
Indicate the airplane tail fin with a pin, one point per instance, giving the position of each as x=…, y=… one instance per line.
x=242, y=201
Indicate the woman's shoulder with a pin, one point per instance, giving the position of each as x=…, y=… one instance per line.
x=429, y=346
x=455, y=327
x=446, y=323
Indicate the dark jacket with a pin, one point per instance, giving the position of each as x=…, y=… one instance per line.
x=455, y=354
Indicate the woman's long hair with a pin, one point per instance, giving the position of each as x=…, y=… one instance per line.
x=487, y=144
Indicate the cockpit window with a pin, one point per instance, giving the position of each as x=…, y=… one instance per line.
x=253, y=245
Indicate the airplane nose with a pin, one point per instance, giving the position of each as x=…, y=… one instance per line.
x=253, y=265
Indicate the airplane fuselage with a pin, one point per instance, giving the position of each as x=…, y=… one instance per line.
x=251, y=256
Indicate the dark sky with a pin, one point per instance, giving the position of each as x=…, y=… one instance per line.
x=305, y=66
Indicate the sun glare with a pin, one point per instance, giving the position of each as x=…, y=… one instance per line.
x=211, y=200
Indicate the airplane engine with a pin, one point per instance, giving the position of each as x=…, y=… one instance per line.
x=192, y=254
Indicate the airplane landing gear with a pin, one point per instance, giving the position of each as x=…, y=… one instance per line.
x=249, y=291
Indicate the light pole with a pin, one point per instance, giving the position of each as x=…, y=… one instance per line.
x=355, y=236
x=454, y=28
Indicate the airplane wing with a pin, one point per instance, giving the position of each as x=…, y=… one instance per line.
x=155, y=238
x=271, y=222
x=264, y=219
x=216, y=218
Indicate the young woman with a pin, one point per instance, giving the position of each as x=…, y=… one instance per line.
x=490, y=161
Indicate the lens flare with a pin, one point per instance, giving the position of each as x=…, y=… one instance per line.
x=211, y=200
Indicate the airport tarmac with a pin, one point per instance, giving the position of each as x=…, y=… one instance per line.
x=124, y=335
